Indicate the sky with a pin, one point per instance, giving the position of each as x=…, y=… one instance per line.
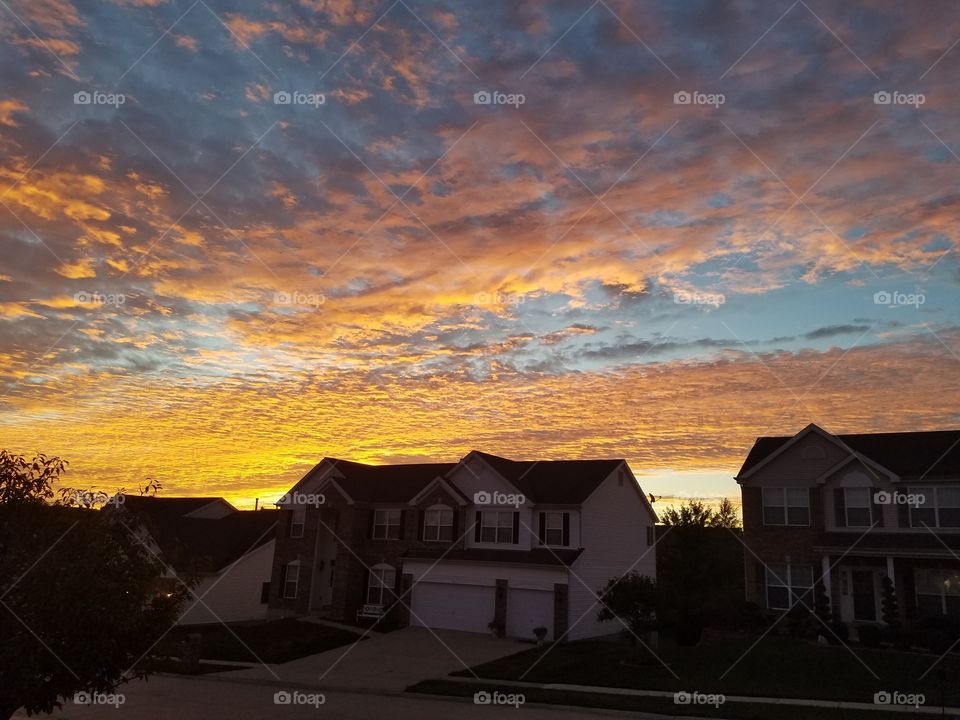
x=237, y=237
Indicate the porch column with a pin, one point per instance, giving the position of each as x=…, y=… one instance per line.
x=890, y=574
x=825, y=573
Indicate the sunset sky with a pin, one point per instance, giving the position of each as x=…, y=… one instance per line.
x=202, y=284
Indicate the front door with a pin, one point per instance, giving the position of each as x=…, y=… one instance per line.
x=864, y=591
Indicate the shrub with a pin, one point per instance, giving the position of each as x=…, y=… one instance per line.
x=798, y=621
x=750, y=617
x=841, y=633
x=890, y=607
x=937, y=633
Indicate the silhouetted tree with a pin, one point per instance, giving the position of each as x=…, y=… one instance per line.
x=696, y=513
x=890, y=608
x=79, y=604
x=632, y=599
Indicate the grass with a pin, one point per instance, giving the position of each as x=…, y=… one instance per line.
x=275, y=641
x=775, y=667
x=665, y=706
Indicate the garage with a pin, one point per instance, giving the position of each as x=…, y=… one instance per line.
x=452, y=607
x=527, y=609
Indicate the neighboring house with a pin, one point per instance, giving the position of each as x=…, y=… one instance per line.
x=229, y=551
x=852, y=509
x=486, y=539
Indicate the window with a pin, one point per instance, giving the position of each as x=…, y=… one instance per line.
x=380, y=585
x=386, y=524
x=938, y=591
x=297, y=521
x=291, y=579
x=788, y=585
x=438, y=524
x=940, y=507
x=857, y=503
x=553, y=528
x=786, y=506
x=496, y=527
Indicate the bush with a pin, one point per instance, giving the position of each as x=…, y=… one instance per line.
x=937, y=633
x=870, y=635
x=841, y=633
x=798, y=621
x=750, y=618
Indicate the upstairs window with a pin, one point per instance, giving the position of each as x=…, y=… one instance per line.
x=438, y=525
x=496, y=527
x=858, y=505
x=297, y=521
x=553, y=528
x=386, y=524
x=786, y=506
x=935, y=507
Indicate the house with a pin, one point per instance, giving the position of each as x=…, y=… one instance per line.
x=522, y=544
x=851, y=510
x=229, y=551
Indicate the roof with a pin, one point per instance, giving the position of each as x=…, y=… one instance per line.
x=202, y=544
x=911, y=455
x=537, y=556
x=562, y=482
x=386, y=483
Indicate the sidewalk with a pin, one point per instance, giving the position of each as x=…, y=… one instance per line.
x=600, y=690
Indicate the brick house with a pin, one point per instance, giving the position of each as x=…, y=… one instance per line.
x=521, y=544
x=850, y=510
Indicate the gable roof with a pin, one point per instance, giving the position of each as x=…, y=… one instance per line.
x=911, y=455
x=201, y=544
x=386, y=483
x=561, y=482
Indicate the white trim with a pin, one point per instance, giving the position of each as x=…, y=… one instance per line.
x=476, y=453
x=789, y=443
x=446, y=485
x=891, y=476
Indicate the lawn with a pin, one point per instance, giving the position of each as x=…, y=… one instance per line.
x=275, y=641
x=664, y=706
x=775, y=667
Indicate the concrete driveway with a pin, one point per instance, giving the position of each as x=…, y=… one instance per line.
x=387, y=663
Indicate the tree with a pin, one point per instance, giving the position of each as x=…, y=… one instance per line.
x=79, y=599
x=696, y=513
x=890, y=608
x=631, y=599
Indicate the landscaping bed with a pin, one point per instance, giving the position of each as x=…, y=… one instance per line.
x=274, y=641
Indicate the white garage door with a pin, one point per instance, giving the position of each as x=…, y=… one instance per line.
x=527, y=609
x=452, y=607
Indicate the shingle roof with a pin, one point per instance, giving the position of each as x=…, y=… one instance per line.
x=386, y=483
x=537, y=556
x=201, y=544
x=561, y=482
x=911, y=455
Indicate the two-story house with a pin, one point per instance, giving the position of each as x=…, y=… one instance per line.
x=849, y=510
x=521, y=544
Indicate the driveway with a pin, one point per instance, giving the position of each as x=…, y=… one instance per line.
x=389, y=662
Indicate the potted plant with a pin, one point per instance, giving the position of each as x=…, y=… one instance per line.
x=540, y=633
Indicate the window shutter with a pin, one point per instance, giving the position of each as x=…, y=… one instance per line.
x=476, y=527
x=903, y=512
x=839, y=507
x=420, y=524
x=761, y=584
x=543, y=528
x=373, y=515
x=876, y=510
x=403, y=517
x=455, y=529
x=566, y=529
x=516, y=528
